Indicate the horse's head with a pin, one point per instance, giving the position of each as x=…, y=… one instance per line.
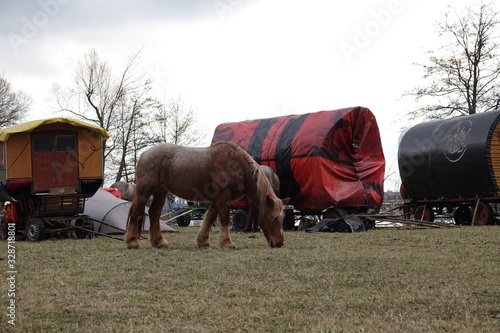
x=271, y=221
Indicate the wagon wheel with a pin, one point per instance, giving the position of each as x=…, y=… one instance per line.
x=334, y=213
x=3, y=228
x=423, y=213
x=184, y=220
x=463, y=215
x=239, y=220
x=85, y=223
x=35, y=229
x=484, y=214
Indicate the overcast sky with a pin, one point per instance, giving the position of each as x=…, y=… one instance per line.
x=233, y=59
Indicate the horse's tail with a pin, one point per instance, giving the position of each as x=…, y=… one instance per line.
x=140, y=222
x=140, y=219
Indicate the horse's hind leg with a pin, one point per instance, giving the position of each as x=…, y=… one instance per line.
x=156, y=237
x=208, y=219
x=135, y=223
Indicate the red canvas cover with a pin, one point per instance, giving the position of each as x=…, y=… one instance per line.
x=323, y=159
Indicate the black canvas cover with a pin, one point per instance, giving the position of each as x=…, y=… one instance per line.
x=349, y=223
x=449, y=158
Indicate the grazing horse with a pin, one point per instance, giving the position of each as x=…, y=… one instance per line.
x=127, y=190
x=252, y=223
x=273, y=178
x=219, y=174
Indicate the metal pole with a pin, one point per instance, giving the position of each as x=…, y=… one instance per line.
x=189, y=211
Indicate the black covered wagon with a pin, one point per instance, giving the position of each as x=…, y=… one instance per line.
x=451, y=168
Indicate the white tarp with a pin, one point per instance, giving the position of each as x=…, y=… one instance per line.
x=113, y=213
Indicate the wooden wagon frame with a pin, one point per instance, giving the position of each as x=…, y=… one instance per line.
x=47, y=169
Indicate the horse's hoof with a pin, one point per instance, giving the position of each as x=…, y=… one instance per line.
x=229, y=245
x=202, y=242
x=161, y=244
x=132, y=245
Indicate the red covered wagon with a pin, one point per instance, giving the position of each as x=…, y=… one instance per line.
x=328, y=161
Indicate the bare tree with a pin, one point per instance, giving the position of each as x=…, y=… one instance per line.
x=122, y=104
x=464, y=73
x=177, y=123
x=133, y=135
x=13, y=106
x=113, y=102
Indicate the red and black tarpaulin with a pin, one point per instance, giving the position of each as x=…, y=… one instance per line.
x=323, y=159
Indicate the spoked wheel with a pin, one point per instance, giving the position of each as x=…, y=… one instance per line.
x=184, y=220
x=239, y=220
x=84, y=223
x=463, y=215
x=35, y=229
x=423, y=213
x=484, y=214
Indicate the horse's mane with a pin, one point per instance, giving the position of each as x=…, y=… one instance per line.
x=263, y=186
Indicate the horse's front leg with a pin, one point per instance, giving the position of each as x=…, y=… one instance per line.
x=156, y=238
x=208, y=219
x=225, y=241
x=253, y=215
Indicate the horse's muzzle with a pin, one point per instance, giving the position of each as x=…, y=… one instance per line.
x=277, y=244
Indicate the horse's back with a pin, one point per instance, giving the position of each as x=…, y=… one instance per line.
x=175, y=156
x=188, y=171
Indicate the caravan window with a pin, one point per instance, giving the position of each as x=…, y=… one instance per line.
x=65, y=143
x=44, y=144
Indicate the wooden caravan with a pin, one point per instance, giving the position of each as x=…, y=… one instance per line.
x=50, y=166
x=56, y=155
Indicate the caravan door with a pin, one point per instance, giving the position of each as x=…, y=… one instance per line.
x=54, y=160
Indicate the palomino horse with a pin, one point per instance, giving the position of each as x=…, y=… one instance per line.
x=220, y=173
x=252, y=223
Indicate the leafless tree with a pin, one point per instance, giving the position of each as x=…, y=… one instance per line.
x=13, y=105
x=123, y=105
x=464, y=74
x=133, y=134
x=113, y=102
x=177, y=123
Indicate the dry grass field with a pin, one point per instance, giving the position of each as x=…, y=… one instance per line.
x=383, y=280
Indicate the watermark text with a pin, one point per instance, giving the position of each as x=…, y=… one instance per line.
x=11, y=274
